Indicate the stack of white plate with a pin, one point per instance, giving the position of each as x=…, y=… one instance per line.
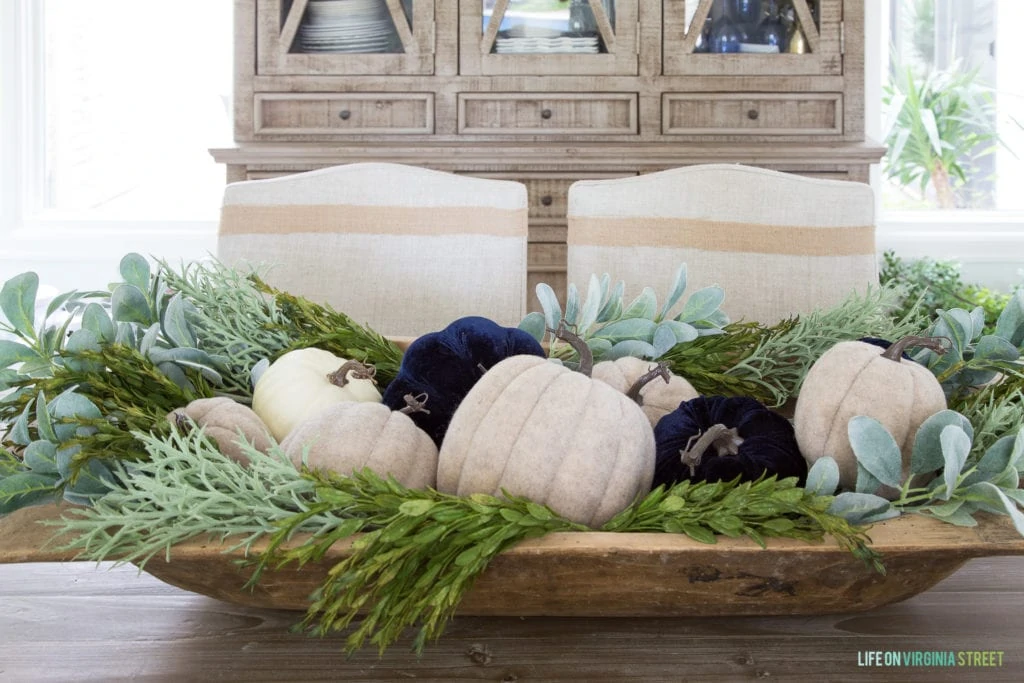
x=582, y=45
x=347, y=26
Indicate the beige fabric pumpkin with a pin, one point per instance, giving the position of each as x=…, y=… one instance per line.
x=350, y=436
x=854, y=378
x=657, y=398
x=226, y=421
x=303, y=382
x=537, y=429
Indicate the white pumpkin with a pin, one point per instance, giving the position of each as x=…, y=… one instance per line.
x=350, y=436
x=303, y=382
x=656, y=398
x=536, y=429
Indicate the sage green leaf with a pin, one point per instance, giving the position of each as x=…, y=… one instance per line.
x=644, y=306
x=983, y=497
x=684, y=332
x=599, y=347
x=126, y=335
x=134, y=268
x=639, y=329
x=1017, y=456
x=823, y=477
x=996, y=460
x=8, y=378
x=149, y=339
x=24, y=489
x=572, y=304
x=962, y=517
x=95, y=319
x=664, y=340
x=631, y=347
x=18, y=302
x=854, y=507
x=956, y=324
x=12, y=352
x=592, y=304
x=79, y=341
x=876, y=450
x=41, y=457
x=866, y=482
x=128, y=304
x=1010, y=324
x=956, y=446
x=891, y=513
x=549, y=304
x=264, y=363
x=533, y=324
x=208, y=373
x=977, y=321
x=19, y=433
x=945, y=509
x=176, y=375
x=416, y=508
x=43, y=424
x=1009, y=505
x=611, y=309
x=991, y=347
x=702, y=304
x=927, y=454
x=676, y=293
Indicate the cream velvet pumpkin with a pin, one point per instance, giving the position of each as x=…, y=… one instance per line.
x=536, y=429
x=226, y=421
x=349, y=436
x=857, y=378
x=657, y=398
x=303, y=382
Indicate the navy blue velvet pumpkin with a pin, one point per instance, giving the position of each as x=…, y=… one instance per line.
x=445, y=365
x=760, y=442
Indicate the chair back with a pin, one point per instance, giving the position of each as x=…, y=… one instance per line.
x=402, y=249
x=779, y=244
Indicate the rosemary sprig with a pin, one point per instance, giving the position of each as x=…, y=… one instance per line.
x=312, y=324
x=705, y=361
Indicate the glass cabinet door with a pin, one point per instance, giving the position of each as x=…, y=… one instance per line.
x=548, y=37
x=311, y=37
x=753, y=37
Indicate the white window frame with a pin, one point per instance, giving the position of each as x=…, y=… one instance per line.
x=67, y=246
x=988, y=244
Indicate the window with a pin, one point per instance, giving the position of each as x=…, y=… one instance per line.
x=105, y=143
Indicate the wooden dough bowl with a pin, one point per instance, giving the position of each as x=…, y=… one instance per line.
x=609, y=574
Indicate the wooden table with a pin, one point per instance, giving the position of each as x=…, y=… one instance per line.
x=81, y=622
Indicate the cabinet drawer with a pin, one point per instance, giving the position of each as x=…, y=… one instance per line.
x=752, y=114
x=548, y=113
x=548, y=194
x=344, y=113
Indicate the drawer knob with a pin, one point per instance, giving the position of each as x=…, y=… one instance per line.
x=546, y=200
x=344, y=114
x=545, y=113
x=752, y=114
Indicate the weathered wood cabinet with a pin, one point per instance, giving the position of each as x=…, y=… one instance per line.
x=548, y=92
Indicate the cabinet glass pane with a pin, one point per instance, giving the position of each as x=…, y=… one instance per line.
x=750, y=26
x=347, y=26
x=549, y=26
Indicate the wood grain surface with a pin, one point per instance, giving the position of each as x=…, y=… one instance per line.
x=83, y=622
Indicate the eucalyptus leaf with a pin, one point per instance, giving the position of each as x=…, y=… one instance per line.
x=992, y=347
x=8, y=378
x=823, y=476
x=955, y=324
x=644, y=306
x=630, y=347
x=24, y=489
x=702, y=304
x=956, y=446
x=134, y=268
x=977, y=321
x=18, y=302
x=41, y=457
x=549, y=304
x=12, y=352
x=79, y=341
x=534, y=325
x=855, y=507
x=128, y=304
x=43, y=424
x=676, y=293
x=19, y=433
x=875, y=449
x=1010, y=324
x=96, y=320
x=927, y=454
x=58, y=301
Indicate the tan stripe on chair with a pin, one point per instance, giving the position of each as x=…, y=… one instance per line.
x=241, y=219
x=725, y=236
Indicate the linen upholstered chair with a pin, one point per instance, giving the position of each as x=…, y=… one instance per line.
x=778, y=244
x=403, y=249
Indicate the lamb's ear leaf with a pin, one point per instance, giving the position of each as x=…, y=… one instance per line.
x=855, y=507
x=533, y=324
x=875, y=449
x=676, y=293
x=927, y=454
x=956, y=446
x=572, y=304
x=823, y=477
x=549, y=304
x=592, y=304
x=18, y=302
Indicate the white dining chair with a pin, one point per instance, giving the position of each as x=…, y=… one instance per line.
x=403, y=249
x=779, y=244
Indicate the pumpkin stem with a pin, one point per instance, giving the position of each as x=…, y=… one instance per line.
x=414, y=404
x=577, y=343
x=935, y=344
x=182, y=423
x=659, y=370
x=726, y=441
x=359, y=371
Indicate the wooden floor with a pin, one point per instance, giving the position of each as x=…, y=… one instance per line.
x=83, y=622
